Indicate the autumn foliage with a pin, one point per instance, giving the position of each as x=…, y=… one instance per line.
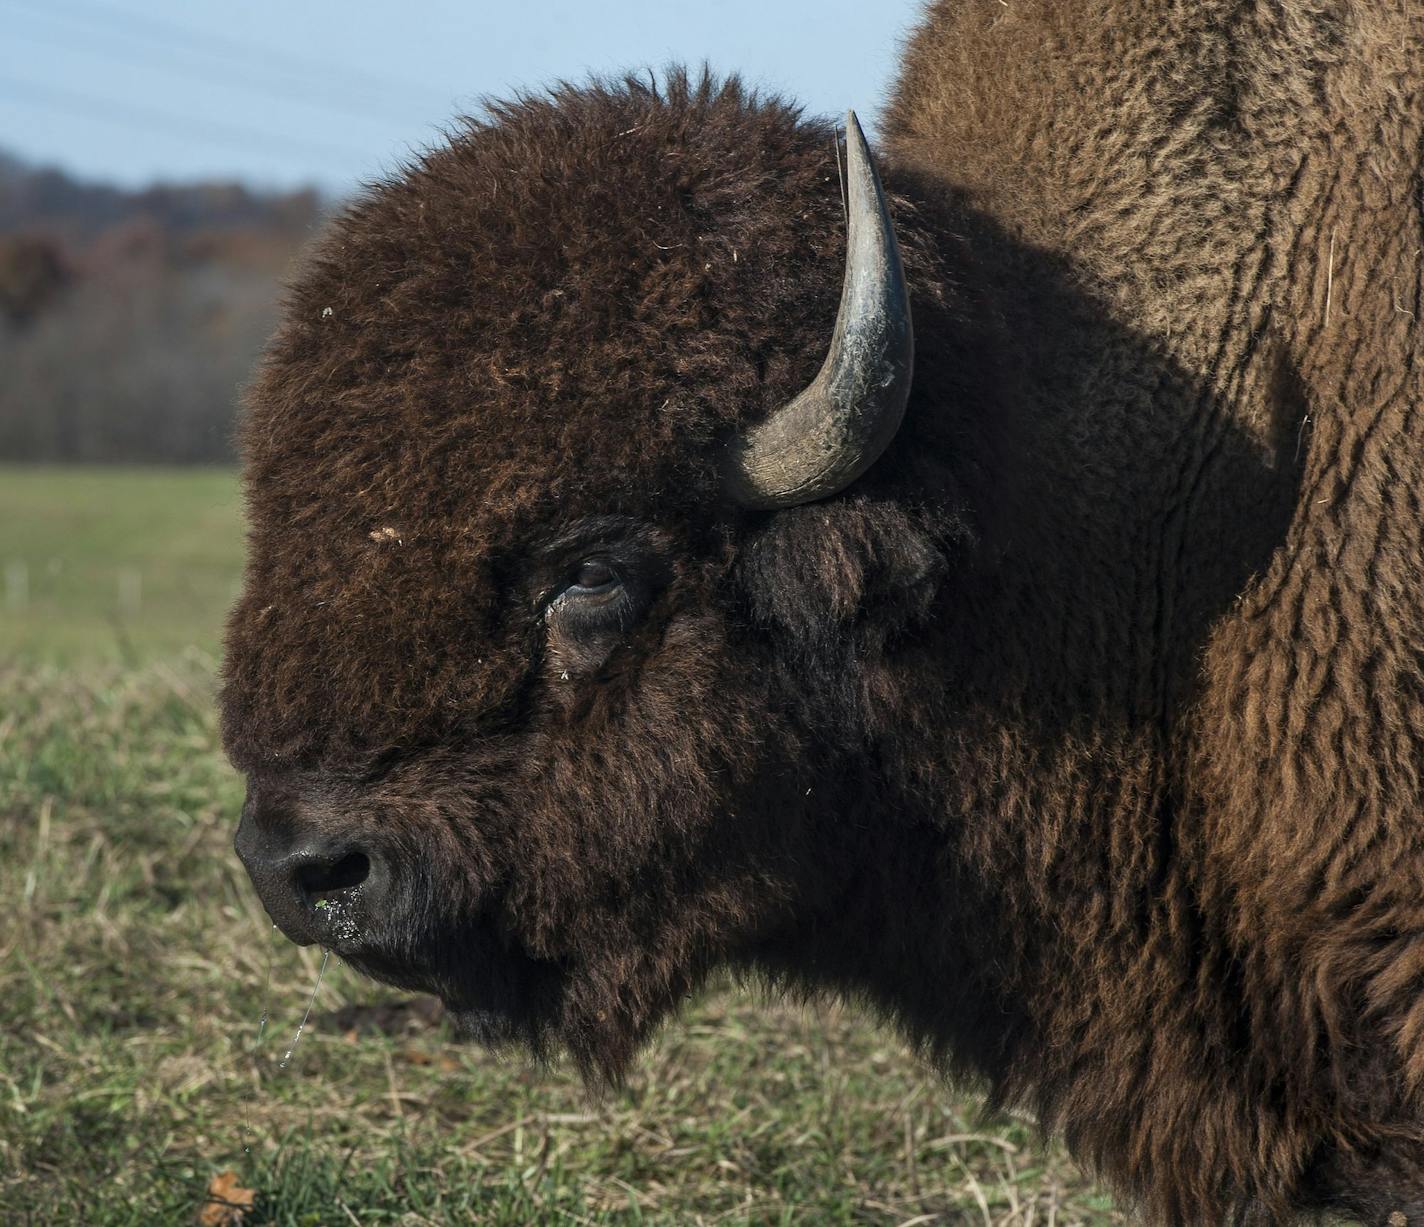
x=130, y=320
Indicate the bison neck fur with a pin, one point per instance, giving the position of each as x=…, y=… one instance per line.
x=1082, y=736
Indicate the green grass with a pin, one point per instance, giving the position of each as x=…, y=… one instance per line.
x=111, y=564
x=135, y=964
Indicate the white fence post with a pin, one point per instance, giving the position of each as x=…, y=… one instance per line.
x=17, y=585
x=130, y=590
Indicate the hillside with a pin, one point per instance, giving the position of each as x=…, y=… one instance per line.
x=130, y=320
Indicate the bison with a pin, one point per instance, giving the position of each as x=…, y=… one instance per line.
x=1009, y=616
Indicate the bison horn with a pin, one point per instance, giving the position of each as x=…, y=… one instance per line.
x=836, y=428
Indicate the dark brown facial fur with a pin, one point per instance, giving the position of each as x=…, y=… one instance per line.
x=1081, y=735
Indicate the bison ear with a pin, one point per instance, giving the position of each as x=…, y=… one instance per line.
x=823, y=572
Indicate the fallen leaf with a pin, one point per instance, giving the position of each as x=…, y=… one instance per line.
x=408, y=1016
x=227, y=1203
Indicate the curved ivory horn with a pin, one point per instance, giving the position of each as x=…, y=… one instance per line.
x=835, y=429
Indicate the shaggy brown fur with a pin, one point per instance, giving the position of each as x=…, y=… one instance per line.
x=1083, y=735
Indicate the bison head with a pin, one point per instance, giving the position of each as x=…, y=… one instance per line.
x=552, y=671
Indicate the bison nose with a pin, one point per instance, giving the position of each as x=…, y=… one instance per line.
x=317, y=888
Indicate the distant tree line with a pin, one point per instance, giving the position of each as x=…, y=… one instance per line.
x=130, y=321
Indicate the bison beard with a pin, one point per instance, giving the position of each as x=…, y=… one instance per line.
x=1080, y=734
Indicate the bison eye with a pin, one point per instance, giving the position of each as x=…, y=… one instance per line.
x=593, y=575
x=594, y=594
x=594, y=601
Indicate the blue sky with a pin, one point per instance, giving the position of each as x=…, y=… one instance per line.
x=284, y=92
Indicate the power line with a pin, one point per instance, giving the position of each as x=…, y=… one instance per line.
x=101, y=46
x=131, y=25
x=247, y=140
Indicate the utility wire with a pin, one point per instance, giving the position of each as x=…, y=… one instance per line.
x=247, y=140
x=134, y=25
x=87, y=42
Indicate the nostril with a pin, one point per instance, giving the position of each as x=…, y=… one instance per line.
x=321, y=879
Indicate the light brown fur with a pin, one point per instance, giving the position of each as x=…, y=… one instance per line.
x=1239, y=183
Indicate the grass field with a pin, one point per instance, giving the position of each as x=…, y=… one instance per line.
x=135, y=965
x=116, y=565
